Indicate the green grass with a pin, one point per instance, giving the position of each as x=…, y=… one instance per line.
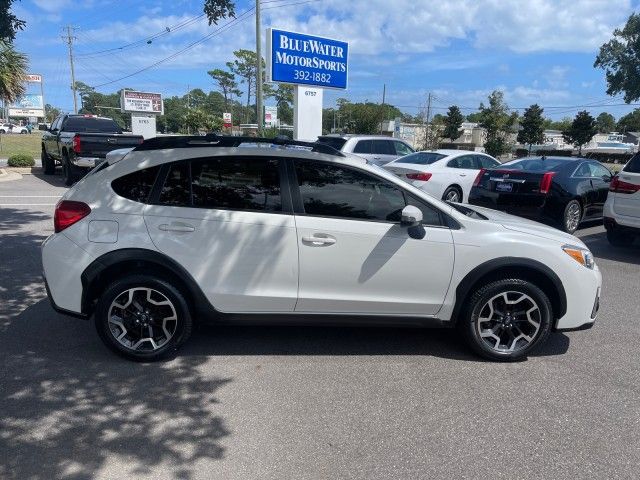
x=12, y=143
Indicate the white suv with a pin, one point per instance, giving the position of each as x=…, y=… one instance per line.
x=195, y=229
x=622, y=209
x=375, y=149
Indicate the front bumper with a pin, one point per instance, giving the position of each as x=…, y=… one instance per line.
x=583, y=299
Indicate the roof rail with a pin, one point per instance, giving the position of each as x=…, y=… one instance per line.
x=215, y=140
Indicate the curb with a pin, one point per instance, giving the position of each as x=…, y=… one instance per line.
x=23, y=170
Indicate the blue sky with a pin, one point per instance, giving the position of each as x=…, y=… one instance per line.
x=536, y=51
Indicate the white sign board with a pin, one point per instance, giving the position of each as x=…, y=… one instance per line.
x=226, y=119
x=270, y=116
x=33, y=78
x=144, y=125
x=307, y=113
x=141, y=102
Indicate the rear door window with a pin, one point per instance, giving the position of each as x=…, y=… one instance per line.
x=176, y=190
x=236, y=184
x=363, y=146
x=383, y=147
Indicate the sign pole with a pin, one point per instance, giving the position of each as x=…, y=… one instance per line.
x=259, y=113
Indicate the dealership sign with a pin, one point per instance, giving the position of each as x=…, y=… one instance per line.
x=141, y=102
x=226, y=119
x=28, y=105
x=33, y=78
x=301, y=59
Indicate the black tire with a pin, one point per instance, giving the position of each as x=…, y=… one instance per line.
x=469, y=325
x=451, y=192
x=181, y=331
x=571, y=209
x=48, y=163
x=619, y=239
x=67, y=171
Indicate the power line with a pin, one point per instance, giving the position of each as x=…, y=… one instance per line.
x=238, y=19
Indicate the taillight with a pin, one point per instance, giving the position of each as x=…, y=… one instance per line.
x=481, y=173
x=69, y=212
x=76, y=144
x=545, y=183
x=618, y=186
x=419, y=176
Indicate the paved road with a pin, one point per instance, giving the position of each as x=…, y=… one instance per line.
x=303, y=403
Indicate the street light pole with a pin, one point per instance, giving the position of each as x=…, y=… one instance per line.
x=259, y=114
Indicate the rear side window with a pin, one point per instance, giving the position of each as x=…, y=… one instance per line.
x=335, y=142
x=237, y=184
x=383, y=147
x=421, y=158
x=485, y=162
x=363, y=146
x=634, y=165
x=176, y=190
x=136, y=186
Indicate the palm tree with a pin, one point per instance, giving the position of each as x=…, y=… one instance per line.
x=13, y=68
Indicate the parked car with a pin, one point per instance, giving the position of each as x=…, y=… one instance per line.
x=80, y=142
x=377, y=150
x=13, y=128
x=622, y=209
x=196, y=229
x=561, y=191
x=445, y=174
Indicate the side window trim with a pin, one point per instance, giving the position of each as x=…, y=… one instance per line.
x=298, y=205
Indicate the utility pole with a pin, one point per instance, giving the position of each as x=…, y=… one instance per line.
x=259, y=113
x=384, y=94
x=69, y=40
x=427, y=141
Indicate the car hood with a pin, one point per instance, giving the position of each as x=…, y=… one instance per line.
x=523, y=225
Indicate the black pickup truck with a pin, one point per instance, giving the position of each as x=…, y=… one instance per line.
x=80, y=142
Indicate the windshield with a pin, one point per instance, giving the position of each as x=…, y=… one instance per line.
x=538, y=165
x=421, y=158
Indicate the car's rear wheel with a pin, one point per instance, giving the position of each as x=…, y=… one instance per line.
x=67, y=171
x=452, y=194
x=572, y=216
x=619, y=239
x=143, y=318
x=506, y=319
x=48, y=163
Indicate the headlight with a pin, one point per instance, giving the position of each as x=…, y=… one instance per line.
x=580, y=255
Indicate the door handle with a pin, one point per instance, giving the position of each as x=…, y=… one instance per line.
x=319, y=240
x=176, y=227
x=463, y=174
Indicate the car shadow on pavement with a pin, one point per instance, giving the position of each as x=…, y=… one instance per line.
x=70, y=408
x=55, y=180
x=601, y=248
x=348, y=341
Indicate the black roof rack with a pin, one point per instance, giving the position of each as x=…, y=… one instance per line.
x=215, y=140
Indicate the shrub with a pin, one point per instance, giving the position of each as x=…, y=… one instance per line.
x=21, y=160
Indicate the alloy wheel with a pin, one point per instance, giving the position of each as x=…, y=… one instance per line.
x=572, y=218
x=453, y=196
x=142, y=319
x=509, y=322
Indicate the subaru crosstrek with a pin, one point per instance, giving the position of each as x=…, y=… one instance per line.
x=226, y=229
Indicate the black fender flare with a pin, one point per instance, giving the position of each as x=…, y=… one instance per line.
x=508, y=263
x=92, y=276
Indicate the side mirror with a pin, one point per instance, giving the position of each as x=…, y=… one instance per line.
x=607, y=178
x=411, y=216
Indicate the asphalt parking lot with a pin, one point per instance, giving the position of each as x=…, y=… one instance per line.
x=280, y=403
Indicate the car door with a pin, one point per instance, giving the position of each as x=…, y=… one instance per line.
x=584, y=189
x=600, y=182
x=354, y=255
x=51, y=143
x=465, y=172
x=226, y=221
x=364, y=149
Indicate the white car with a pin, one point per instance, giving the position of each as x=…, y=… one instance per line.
x=194, y=229
x=13, y=128
x=375, y=149
x=622, y=208
x=445, y=174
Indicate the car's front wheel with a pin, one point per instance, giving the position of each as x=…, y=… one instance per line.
x=143, y=318
x=506, y=319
